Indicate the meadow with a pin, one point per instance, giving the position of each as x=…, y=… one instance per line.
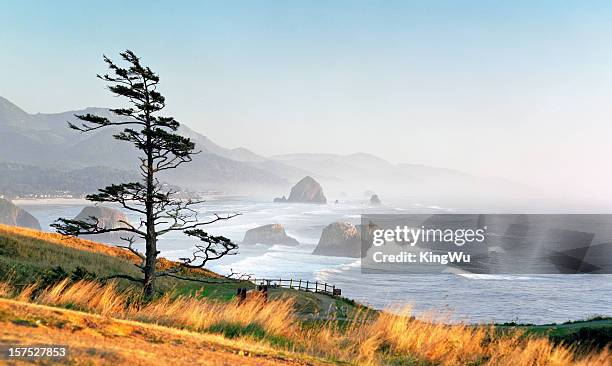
x=29, y=263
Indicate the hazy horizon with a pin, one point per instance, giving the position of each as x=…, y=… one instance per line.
x=497, y=90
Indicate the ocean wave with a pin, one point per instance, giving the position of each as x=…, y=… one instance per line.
x=325, y=273
x=289, y=248
x=475, y=276
x=435, y=207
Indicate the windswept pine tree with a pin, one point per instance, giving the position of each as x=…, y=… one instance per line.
x=160, y=148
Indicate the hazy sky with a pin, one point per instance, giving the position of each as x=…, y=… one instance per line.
x=514, y=89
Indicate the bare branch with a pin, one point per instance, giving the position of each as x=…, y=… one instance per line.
x=187, y=226
x=210, y=248
x=73, y=227
x=122, y=276
x=130, y=248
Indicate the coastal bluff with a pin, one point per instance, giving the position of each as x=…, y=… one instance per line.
x=16, y=216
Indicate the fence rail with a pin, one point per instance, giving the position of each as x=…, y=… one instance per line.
x=301, y=285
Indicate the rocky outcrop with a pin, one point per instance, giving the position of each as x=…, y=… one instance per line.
x=306, y=190
x=106, y=218
x=281, y=199
x=15, y=216
x=368, y=193
x=340, y=239
x=374, y=200
x=269, y=234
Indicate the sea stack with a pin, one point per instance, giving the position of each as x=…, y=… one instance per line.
x=374, y=200
x=306, y=190
x=107, y=218
x=269, y=235
x=340, y=239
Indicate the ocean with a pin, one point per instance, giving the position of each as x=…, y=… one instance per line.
x=535, y=299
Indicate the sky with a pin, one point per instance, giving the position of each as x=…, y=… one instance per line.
x=520, y=90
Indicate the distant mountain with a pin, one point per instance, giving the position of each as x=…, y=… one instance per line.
x=355, y=159
x=337, y=167
x=22, y=179
x=48, y=156
x=11, y=114
x=359, y=171
x=206, y=144
x=45, y=142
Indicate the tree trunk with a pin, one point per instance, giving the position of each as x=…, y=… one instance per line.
x=149, y=269
x=151, y=238
x=151, y=243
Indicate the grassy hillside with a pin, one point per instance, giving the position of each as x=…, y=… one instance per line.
x=369, y=339
x=97, y=340
x=201, y=324
x=582, y=334
x=28, y=256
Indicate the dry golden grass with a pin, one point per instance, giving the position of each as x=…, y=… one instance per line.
x=276, y=317
x=180, y=312
x=430, y=340
x=369, y=339
x=70, y=242
x=91, y=246
x=86, y=295
x=6, y=289
x=97, y=340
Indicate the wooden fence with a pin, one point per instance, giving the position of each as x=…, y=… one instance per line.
x=301, y=285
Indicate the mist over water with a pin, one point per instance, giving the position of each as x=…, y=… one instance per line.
x=472, y=298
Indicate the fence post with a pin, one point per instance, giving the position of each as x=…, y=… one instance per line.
x=291, y=283
x=300, y=284
x=306, y=285
x=316, y=286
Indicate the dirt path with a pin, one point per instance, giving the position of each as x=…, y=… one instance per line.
x=96, y=340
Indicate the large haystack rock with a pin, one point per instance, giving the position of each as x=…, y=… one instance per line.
x=306, y=190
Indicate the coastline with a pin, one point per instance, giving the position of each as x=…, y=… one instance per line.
x=50, y=201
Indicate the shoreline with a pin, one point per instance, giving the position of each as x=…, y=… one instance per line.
x=50, y=201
